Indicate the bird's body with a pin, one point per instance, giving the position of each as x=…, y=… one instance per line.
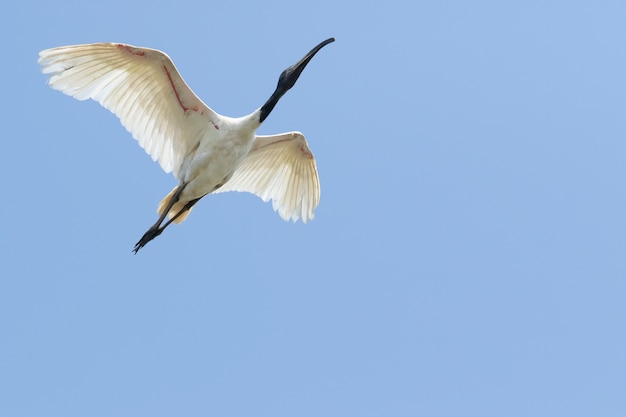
x=205, y=151
x=221, y=146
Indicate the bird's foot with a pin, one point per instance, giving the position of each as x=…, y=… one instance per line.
x=147, y=237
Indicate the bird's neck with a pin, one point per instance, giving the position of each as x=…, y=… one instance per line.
x=267, y=108
x=247, y=125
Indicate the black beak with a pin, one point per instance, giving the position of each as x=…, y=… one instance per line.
x=289, y=77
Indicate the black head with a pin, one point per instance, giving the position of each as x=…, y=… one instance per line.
x=288, y=79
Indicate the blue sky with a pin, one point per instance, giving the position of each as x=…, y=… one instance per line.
x=467, y=257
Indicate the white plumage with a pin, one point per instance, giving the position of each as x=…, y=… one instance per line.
x=205, y=151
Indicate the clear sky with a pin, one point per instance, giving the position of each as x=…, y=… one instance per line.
x=467, y=257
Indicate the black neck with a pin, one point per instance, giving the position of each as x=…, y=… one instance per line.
x=267, y=108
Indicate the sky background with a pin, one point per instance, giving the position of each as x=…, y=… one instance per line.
x=468, y=257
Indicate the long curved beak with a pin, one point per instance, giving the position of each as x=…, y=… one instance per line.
x=288, y=78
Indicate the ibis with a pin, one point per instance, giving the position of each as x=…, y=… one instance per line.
x=205, y=151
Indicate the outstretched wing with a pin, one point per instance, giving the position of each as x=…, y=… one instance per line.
x=281, y=168
x=142, y=87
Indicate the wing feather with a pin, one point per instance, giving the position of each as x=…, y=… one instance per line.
x=280, y=168
x=142, y=87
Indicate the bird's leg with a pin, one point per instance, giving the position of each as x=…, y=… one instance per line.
x=155, y=229
x=188, y=206
x=153, y=232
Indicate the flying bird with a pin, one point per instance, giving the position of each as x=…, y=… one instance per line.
x=205, y=151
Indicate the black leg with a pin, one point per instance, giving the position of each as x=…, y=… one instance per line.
x=152, y=232
x=188, y=206
x=155, y=229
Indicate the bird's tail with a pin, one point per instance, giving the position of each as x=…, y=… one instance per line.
x=178, y=206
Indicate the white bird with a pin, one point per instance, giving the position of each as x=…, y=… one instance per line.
x=205, y=151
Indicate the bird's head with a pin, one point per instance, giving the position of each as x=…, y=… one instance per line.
x=289, y=77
